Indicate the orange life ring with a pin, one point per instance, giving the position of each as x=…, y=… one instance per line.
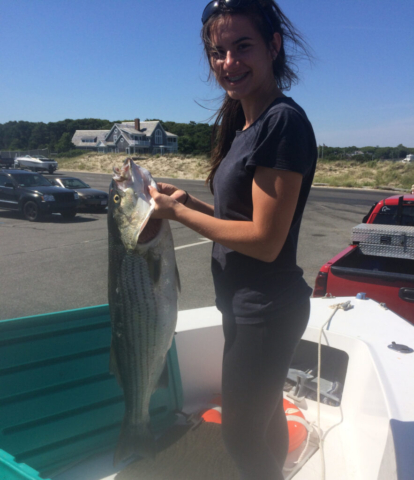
x=296, y=425
x=295, y=419
x=213, y=414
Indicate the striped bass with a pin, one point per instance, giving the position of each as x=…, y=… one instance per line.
x=142, y=296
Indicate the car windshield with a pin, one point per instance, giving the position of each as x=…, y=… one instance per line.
x=73, y=183
x=31, y=180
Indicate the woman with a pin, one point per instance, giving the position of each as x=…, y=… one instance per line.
x=263, y=164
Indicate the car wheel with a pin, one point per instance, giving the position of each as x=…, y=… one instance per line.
x=101, y=209
x=69, y=214
x=31, y=211
x=51, y=170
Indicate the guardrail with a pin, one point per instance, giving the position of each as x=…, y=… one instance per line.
x=21, y=153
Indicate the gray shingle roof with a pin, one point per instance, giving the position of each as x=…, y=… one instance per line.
x=89, y=134
x=146, y=127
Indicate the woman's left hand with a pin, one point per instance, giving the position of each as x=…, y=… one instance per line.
x=164, y=204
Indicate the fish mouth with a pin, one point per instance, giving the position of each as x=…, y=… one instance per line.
x=150, y=231
x=132, y=181
x=128, y=175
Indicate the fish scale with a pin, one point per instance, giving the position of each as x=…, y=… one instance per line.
x=142, y=296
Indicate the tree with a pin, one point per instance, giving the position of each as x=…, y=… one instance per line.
x=15, y=144
x=39, y=137
x=65, y=143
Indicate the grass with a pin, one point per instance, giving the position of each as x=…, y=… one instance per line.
x=339, y=173
x=373, y=174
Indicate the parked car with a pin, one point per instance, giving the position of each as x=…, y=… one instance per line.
x=33, y=195
x=37, y=164
x=88, y=197
x=408, y=159
x=6, y=162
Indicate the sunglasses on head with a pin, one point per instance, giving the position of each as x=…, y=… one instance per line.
x=216, y=5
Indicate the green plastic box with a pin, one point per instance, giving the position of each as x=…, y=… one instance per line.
x=58, y=402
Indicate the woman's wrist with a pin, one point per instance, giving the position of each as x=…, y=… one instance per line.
x=176, y=209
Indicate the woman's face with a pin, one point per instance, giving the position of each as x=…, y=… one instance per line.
x=240, y=58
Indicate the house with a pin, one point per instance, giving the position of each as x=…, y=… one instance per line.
x=128, y=137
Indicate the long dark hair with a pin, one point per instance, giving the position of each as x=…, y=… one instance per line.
x=230, y=116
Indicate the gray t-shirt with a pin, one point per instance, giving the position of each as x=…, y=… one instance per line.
x=249, y=289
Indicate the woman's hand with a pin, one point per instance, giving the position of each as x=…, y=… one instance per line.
x=164, y=204
x=172, y=191
x=182, y=197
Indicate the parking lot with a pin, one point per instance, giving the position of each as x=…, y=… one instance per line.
x=59, y=264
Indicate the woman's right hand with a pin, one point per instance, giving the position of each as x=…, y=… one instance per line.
x=172, y=191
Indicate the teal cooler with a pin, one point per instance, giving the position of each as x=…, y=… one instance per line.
x=58, y=402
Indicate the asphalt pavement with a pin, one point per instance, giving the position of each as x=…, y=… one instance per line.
x=58, y=264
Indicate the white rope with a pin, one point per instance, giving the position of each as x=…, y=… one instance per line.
x=310, y=428
x=320, y=434
x=344, y=306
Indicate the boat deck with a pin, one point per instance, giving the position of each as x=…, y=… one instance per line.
x=359, y=441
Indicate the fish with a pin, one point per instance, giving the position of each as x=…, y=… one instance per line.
x=143, y=286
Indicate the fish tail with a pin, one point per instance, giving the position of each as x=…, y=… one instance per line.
x=136, y=440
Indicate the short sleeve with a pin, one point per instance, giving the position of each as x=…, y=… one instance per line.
x=283, y=142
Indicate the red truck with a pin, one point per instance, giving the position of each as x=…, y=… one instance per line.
x=380, y=260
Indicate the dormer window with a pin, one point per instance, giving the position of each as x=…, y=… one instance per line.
x=115, y=138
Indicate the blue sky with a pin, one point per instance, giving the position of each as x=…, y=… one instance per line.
x=123, y=59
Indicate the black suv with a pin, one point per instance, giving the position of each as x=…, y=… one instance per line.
x=33, y=195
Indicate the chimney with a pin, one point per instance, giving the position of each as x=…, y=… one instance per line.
x=137, y=124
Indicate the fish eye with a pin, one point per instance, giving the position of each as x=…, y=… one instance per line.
x=117, y=198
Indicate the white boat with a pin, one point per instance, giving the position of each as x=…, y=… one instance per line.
x=365, y=430
x=37, y=164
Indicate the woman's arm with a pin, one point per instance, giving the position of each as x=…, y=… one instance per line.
x=275, y=194
x=181, y=196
